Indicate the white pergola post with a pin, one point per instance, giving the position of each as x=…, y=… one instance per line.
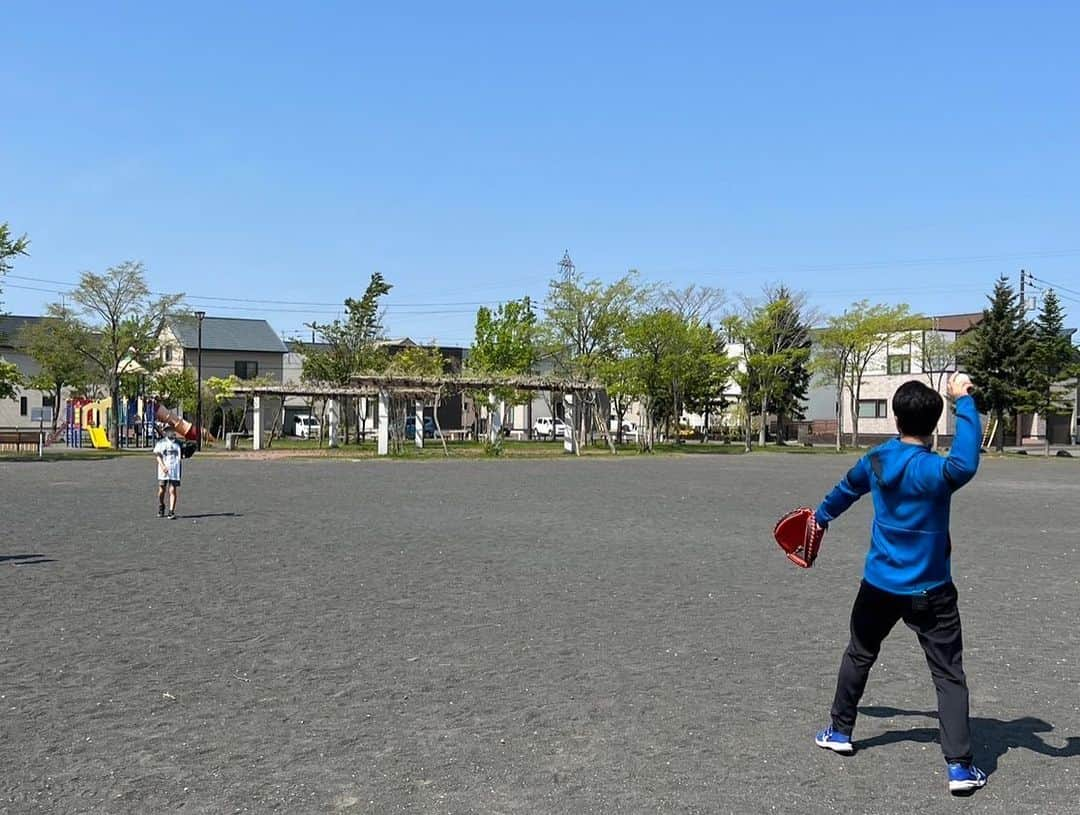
x=331, y=423
x=419, y=427
x=384, y=422
x=257, y=424
x=570, y=421
x=494, y=418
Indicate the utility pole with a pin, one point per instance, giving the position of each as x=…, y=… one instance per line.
x=1023, y=319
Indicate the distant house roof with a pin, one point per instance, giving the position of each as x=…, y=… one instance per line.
x=11, y=325
x=227, y=334
x=957, y=322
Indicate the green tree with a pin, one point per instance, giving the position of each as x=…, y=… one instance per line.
x=115, y=325
x=505, y=343
x=349, y=346
x=585, y=323
x=10, y=379
x=10, y=247
x=776, y=345
x=51, y=343
x=674, y=364
x=176, y=387
x=937, y=353
x=856, y=338
x=996, y=353
x=1052, y=360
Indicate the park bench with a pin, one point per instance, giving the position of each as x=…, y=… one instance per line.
x=18, y=437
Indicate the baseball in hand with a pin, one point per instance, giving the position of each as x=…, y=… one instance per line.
x=961, y=384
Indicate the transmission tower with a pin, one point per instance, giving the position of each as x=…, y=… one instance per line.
x=567, y=266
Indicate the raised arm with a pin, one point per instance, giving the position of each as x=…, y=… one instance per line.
x=963, y=459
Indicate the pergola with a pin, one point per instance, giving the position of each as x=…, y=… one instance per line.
x=420, y=389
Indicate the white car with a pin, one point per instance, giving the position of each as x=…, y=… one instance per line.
x=543, y=427
x=307, y=427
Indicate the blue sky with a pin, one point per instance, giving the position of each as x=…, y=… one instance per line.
x=274, y=152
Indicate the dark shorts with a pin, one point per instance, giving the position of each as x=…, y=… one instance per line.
x=163, y=481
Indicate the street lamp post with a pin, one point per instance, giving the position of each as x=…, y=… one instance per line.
x=198, y=388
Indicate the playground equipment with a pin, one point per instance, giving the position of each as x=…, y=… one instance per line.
x=98, y=438
x=87, y=420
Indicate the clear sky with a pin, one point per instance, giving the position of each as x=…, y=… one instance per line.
x=283, y=151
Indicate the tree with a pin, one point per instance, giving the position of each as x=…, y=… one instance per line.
x=116, y=326
x=937, y=352
x=505, y=343
x=10, y=247
x=996, y=353
x=585, y=323
x=349, y=346
x=176, y=387
x=673, y=364
x=854, y=339
x=694, y=303
x=51, y=342
x=776, y=345
x=10, y=378
x=1051, y=361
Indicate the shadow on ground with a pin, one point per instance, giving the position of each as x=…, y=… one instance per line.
x=995, y=737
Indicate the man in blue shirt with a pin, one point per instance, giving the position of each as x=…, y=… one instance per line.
x=907, y=574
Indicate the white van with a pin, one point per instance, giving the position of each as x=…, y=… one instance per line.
x=306, y=427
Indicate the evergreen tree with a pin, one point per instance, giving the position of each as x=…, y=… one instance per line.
x=1051, y=361
x=996, y=353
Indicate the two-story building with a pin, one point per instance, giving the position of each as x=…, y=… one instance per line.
x=237, y=346
x=17, y=412
x=926, y=354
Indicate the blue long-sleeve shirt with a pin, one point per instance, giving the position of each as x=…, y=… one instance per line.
x=912, y=488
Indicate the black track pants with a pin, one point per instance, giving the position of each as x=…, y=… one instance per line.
x=935, y=619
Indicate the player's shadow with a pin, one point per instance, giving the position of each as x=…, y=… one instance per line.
x=26, y=560
x=991, y=738
x=216, y=515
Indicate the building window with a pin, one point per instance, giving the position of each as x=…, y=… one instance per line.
x=22, y=405
x=168, y=353
x=245, y=369
x=48, y=400
x=872, y=409
x=899, y=363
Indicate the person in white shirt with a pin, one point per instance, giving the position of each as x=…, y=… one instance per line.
x=168, y=454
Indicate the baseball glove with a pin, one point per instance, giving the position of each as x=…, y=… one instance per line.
x=799, y=535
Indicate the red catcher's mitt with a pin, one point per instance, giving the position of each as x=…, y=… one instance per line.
x=799, y=534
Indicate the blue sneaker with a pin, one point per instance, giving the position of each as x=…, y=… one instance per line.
x=965, y=778
x=831, y=740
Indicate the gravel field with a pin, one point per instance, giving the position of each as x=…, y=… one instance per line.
x=550, y=636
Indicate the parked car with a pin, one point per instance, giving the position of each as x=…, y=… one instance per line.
x=306, y=426
x=429, y=427
x=543, y=426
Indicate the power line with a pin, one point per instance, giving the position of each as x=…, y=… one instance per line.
x=1054, y=286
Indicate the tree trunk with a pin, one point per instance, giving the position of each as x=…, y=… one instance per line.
x=114, y=419
x=839, y=418
x=56, y=406
x=855, y=416
x=764, y=418
x=999, y=432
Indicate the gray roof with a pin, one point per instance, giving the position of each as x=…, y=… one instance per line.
x=11, y=325
x=227, y=334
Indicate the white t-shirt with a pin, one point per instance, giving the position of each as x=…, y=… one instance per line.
x=168, y=450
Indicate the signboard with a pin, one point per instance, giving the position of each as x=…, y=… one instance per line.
x=41, y=414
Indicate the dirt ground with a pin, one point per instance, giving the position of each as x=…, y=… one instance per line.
x=556, y=636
